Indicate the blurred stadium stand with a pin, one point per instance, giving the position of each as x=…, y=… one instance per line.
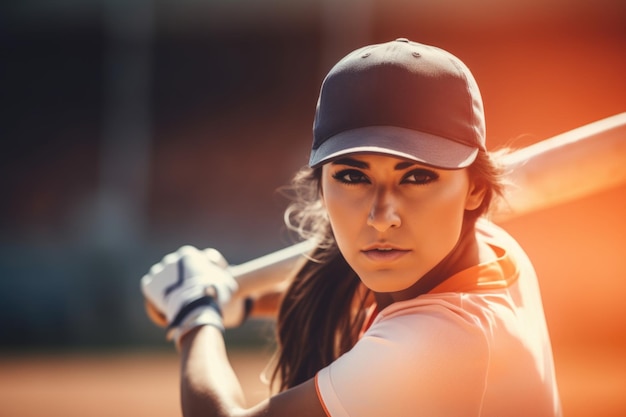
x=131, y=128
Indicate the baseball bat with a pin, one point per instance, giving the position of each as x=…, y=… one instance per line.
x=564, y=168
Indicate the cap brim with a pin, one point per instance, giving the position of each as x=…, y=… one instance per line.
x=410, y=144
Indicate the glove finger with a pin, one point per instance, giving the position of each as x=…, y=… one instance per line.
x=196, y=264
x=227, y=283
x=187, y=250
x=216, y=257
x=170, y=258
x=155, y=284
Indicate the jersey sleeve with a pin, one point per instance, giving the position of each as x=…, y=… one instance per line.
x=431, y=362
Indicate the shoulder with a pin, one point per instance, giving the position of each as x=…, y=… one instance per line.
x=430, y=325
x=495, y=235
x=487, y=230
x=412, y=357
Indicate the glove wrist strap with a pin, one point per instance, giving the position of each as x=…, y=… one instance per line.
x=206, y=301
x=200, y=312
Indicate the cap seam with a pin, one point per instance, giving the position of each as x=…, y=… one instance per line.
x=469, y=96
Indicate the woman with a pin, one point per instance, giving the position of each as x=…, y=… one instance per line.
x=412, y=304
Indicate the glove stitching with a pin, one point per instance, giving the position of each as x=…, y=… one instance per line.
x=179, y=282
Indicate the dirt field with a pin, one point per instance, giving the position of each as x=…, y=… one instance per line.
x=592, y=383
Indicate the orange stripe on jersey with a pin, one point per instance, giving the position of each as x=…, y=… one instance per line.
x=497, y=274
x=319, y=396
x=370, y=316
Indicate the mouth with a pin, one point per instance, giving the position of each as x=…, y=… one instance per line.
x=384, y=253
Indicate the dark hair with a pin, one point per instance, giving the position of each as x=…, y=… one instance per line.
x=323, y=310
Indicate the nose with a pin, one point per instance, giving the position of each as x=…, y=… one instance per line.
x=383, y=212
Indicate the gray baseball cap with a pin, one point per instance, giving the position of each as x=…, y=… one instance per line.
x=400, y=98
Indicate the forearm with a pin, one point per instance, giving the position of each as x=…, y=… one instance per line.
x=267, y=305
x=209, y=386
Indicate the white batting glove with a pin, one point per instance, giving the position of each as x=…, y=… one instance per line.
x=189, y=288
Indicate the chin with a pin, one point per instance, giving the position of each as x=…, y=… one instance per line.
x=387, y=281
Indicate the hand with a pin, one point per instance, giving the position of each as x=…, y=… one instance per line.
x=188, y=288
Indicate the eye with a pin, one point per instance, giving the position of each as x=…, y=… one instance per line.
x=420, y=176
x=350, y=176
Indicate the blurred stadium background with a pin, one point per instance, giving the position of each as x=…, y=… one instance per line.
x=132, y=127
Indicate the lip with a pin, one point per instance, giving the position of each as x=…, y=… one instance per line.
x=384, y=252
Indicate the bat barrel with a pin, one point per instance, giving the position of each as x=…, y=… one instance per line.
x=558, y=170
x=567, y=167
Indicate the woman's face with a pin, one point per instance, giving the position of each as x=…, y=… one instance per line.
x=394, y=219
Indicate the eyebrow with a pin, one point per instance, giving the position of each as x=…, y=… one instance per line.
x=364, y=165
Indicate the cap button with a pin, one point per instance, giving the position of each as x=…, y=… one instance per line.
x=405, y=40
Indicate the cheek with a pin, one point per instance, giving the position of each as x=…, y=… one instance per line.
x=449, y=206
x=343, y=213
x=438, y=223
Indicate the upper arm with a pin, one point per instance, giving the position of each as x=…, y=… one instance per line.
x=210, y=387
x=301, y=401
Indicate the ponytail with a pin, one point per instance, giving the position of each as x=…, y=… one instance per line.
x=317, y=322
x=322, y=311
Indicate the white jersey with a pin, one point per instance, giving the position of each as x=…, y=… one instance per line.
x=476, y=345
